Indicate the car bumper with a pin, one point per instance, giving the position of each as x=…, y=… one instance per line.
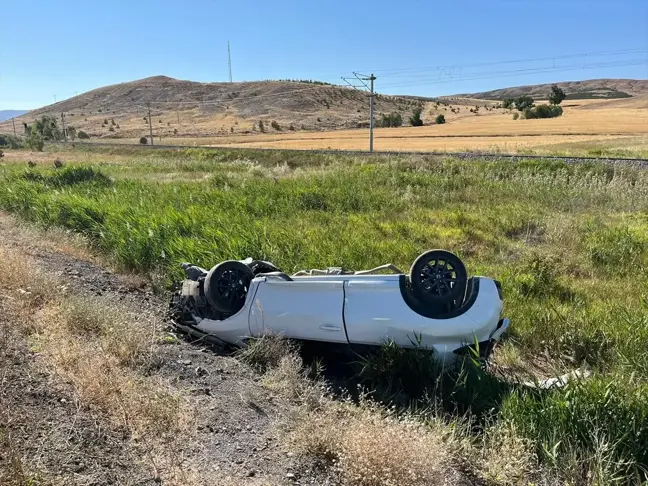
x=483, y=349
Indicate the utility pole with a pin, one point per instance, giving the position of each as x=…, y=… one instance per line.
x=372, y=78
x=63, y=123
x=229, y=61
x=14, y=125
x=178, y=113
x=362, y=78
x=150, y=124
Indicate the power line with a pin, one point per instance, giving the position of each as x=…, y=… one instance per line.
x=518, y=72
x=396, y=71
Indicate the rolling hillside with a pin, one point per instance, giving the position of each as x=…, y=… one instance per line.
x=592, y=88
x=197, y=109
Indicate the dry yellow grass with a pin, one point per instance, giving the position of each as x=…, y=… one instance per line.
x=585, y=123
x=95, y=348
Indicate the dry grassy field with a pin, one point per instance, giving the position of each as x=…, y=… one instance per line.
x=587, y=127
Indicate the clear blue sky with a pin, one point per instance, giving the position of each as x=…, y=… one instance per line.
x=61, y=47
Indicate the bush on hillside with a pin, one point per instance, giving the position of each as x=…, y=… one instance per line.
x=516, y=116
x=440, y=119
x=143, y=140
x=10, y=141
x=415, y=120
x=523, y=102
x=275, y=125
x=543, y=111
x=82, y=135
x=391, y=120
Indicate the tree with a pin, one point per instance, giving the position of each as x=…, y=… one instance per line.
x=415, y=120
x=275, y=125
x=523, y=102
x=440, y=119
x=557, y=95
x=261, y=126
x=72, y=133
x=35, y=141
x=47, y=128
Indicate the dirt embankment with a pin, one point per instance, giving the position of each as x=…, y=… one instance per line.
x=91, y=407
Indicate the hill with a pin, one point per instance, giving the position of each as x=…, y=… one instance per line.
x=8, y=114
x=589, y=89
x=197, y=109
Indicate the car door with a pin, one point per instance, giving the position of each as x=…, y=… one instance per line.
x=307, y=308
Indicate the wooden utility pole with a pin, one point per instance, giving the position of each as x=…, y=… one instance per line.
x=150, y=124
x=14, y=126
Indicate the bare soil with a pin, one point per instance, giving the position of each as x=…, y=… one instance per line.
x=233, y=441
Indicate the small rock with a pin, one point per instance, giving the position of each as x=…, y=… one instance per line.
x=184, y=361
x=251, y=473
x=239, y=461
x=200, y=371
x=290, y=476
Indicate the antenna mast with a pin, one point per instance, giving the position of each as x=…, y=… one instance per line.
x=229, y=61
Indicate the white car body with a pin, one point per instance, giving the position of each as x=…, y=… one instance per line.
x=356, y=310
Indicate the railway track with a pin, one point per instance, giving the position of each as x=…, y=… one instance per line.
x=461, y=155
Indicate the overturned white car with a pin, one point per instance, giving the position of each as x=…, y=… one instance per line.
x=436, y=306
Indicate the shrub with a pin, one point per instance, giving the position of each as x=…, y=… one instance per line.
x=111, y=128
x=105, y=122
x=261, y=126
x=275, y=125
x=83, y=135
x=391, y=120
x=523, y=103
x=10, y=141
x=175, y=131
x=35, y=141
x=415, y=120
x=1, y=154
x=291, y=127
x=543, y=111
x=143, y=140
x=440, y=119
x=516, y=116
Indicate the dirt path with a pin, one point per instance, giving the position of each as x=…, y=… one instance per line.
x=231, y=441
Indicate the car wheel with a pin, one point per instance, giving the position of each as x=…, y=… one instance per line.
x=438, y=277
x=226, y=286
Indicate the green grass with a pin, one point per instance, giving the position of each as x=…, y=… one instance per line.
x=569, y=243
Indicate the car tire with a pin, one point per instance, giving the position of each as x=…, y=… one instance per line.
x=226, y=286
x=438, y=277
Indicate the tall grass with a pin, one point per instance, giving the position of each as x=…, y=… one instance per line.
x=569, y=243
